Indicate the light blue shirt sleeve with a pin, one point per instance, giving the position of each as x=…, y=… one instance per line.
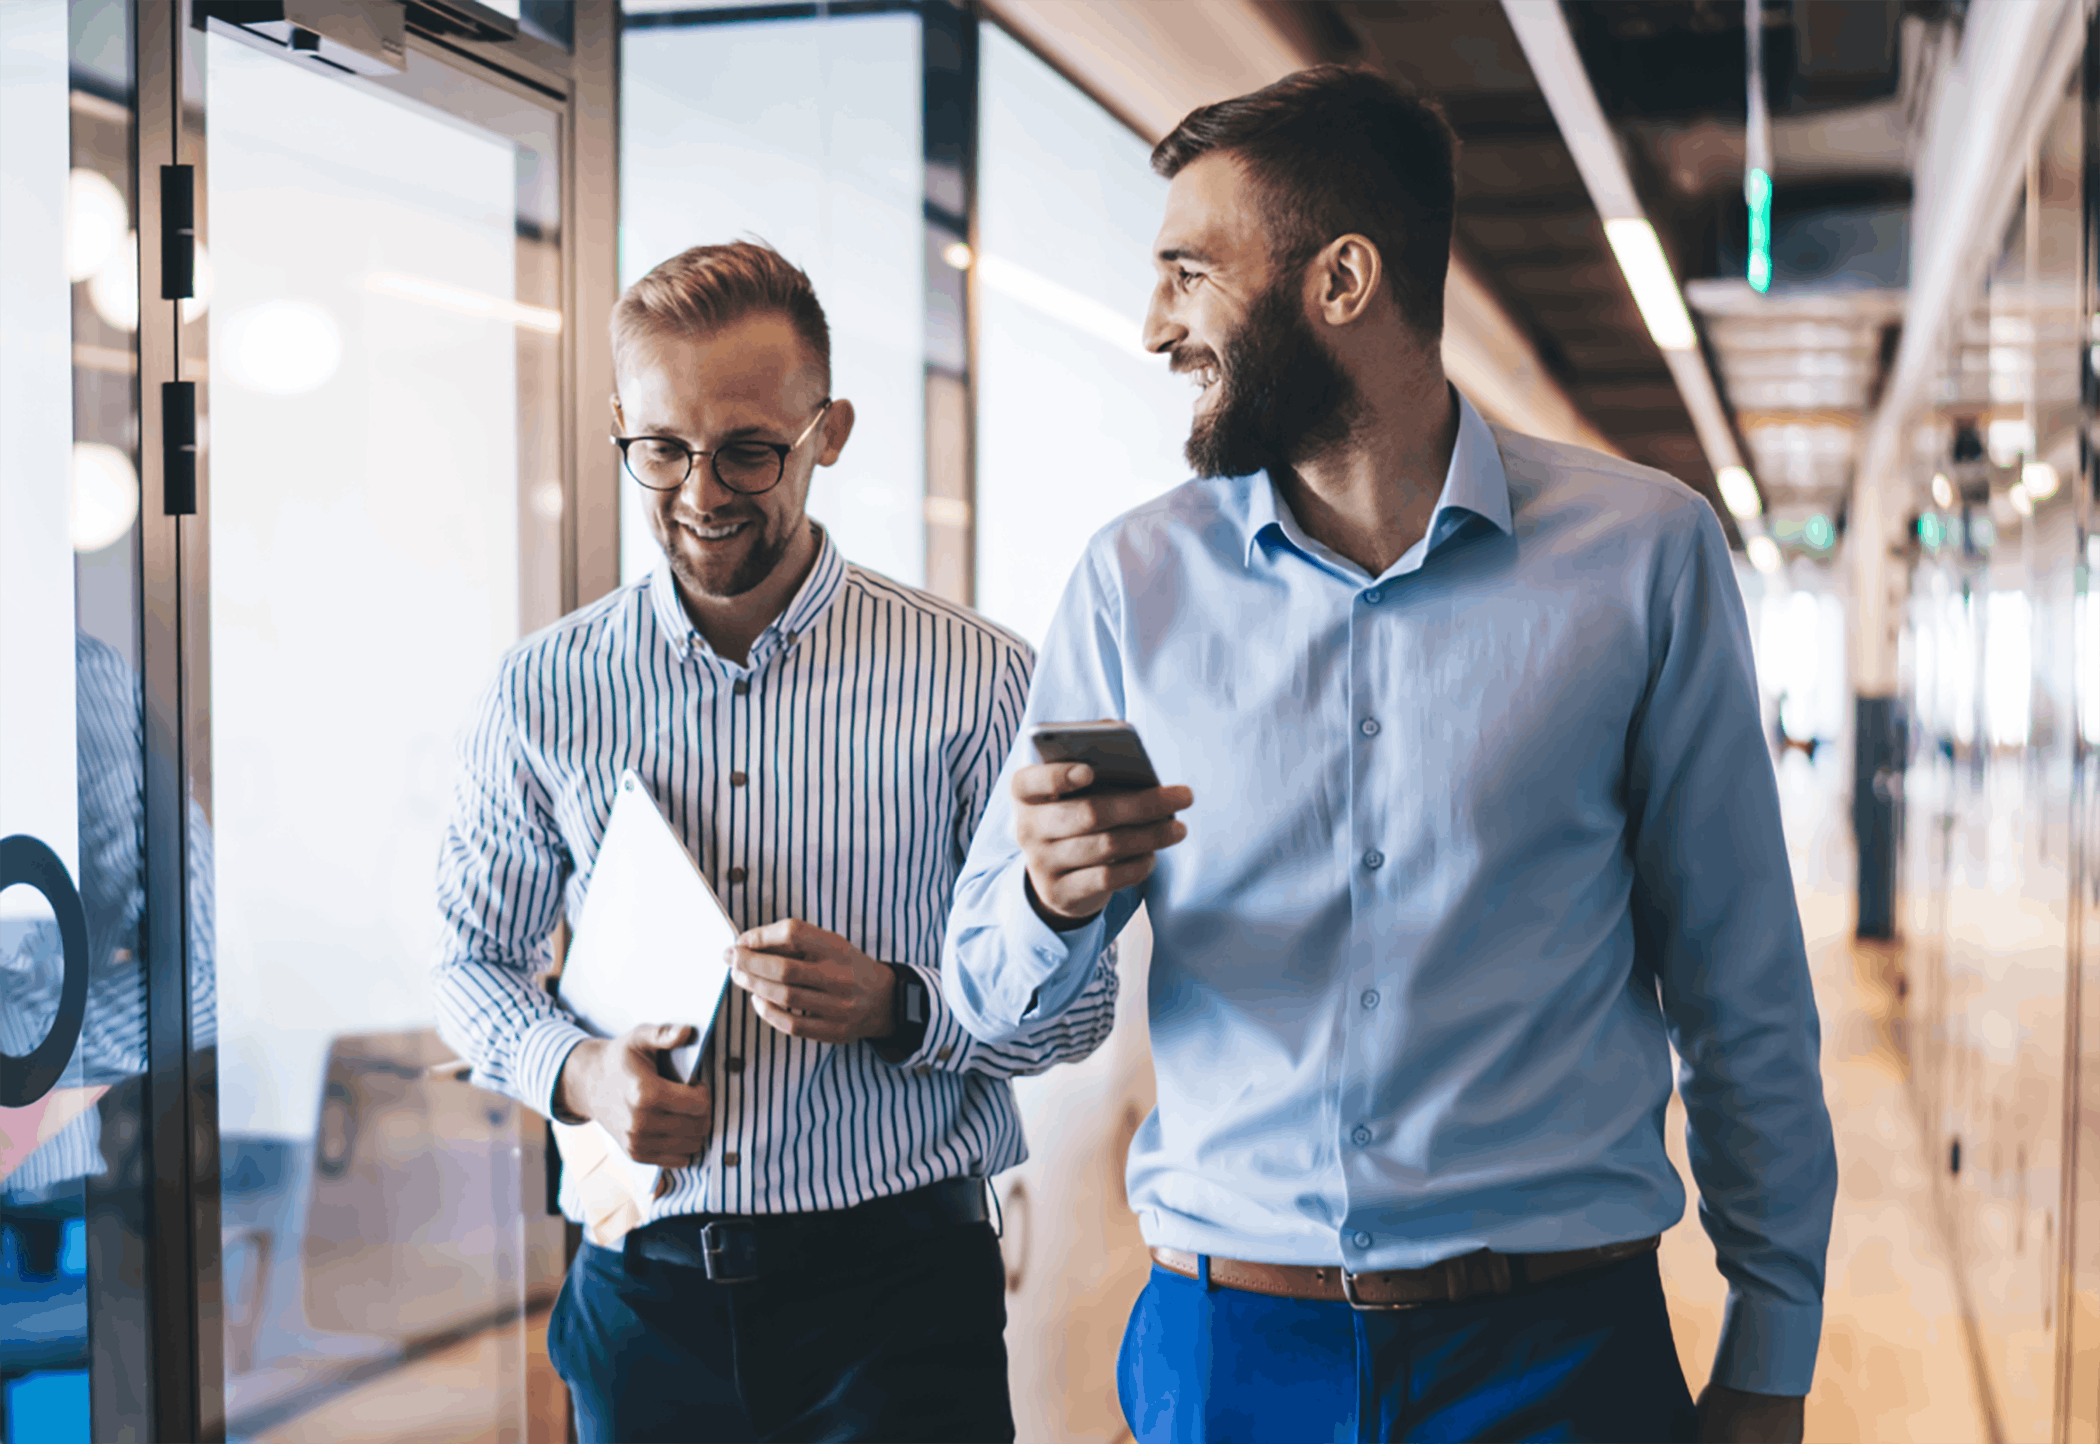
x=1008, y=971
x=1715, y=917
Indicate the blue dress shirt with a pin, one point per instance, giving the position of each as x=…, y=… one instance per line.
x=1474, y=843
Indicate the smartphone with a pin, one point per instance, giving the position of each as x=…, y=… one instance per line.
x=1112, y=749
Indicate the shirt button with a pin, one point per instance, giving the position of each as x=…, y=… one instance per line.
x=737, y=779
x=1374, y=596
x=1370, y=998
x=734, y=1065
x=1361, y=1137
x=729, y=1160
x=1369, y=727
x=1374, y=859
x=737, y=874
x=741, y=688
x=1362, y=1239
x=944, y=1054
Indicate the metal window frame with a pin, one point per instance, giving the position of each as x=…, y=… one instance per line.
x=184, y=1348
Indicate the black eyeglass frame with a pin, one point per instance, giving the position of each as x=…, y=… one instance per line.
x=694, y=453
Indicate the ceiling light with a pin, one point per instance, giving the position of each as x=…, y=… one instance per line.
x=1764, y=554
x=1942, y=491
x=105, y=495
x=463, y=301
x=2040, y=479
x=282, y=348
x=1062, y=304
x=1739, y=491
x=2021, y=501
x=96, y=220
x=114, y=289
x=2008, y=440
x=1654, y=287
x=957, y=254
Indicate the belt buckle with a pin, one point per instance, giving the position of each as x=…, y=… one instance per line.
x=729, y=1252
x=1365, y=1306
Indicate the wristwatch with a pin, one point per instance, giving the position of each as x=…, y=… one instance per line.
x=914, y=1009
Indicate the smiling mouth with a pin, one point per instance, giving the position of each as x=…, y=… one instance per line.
x=719, y=533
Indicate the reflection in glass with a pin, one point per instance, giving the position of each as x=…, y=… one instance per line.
x=1989, y=868
x=72, y=1199
x=1076, y=424
x=803, y=133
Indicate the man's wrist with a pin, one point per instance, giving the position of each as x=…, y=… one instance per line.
x=910, y=1011
x=1055, y=921
x=568, y=1085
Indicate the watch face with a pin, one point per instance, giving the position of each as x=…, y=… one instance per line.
x=915, y=1001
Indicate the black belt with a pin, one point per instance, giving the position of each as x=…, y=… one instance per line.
x=735, y=1247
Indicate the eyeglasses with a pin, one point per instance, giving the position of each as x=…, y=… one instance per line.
x=662, y=463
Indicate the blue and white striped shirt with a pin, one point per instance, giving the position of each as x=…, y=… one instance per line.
x=837, y=777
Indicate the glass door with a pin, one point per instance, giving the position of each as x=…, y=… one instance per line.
x=383, y=516
x=73, y=946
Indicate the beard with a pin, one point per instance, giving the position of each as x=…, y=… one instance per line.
x=1282, y=396
x=723, y=573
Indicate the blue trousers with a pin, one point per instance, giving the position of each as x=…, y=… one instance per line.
x=909, y=1345
x=1587, y=1357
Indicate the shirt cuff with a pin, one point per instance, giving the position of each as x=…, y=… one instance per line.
x=541, y=1053
x=1048, y=969
x=1768, y=1346
x=944, y=1044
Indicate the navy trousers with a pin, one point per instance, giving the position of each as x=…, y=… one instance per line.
x=907, y=1346
x=1587, y=1357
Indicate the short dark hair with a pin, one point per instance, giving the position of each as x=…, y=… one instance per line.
x=1334, y=150
x=707, y=287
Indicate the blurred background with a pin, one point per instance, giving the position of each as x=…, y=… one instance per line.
x=302, y=406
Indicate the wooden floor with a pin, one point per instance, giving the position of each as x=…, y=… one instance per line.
x=494, y=1388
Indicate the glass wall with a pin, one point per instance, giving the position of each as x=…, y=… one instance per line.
x=72, y=875
x=1076, y=424
x=806, y=134
x=384, y=520
x=1997, y=623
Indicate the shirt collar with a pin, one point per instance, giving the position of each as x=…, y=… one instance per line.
x=809, y=603
x=1474, y=483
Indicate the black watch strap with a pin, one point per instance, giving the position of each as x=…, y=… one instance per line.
x=914, y=1011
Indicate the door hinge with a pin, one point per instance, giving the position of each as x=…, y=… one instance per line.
x=178, y=446
x=178, y=232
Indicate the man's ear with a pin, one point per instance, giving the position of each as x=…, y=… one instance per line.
x=838, y=425
x=619, y=421
x=1345, y=278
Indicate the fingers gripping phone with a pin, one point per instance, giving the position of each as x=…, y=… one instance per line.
x=1111, y=748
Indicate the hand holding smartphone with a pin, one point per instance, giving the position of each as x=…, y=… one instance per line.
x=1112, y=749
x=1082, y=846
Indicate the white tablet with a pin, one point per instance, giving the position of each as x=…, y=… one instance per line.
x=649, y=945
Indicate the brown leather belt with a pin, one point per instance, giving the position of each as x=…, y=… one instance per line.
x=1483, y=1274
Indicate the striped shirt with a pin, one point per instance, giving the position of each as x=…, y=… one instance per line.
x=112, y=1047
x=836, y=777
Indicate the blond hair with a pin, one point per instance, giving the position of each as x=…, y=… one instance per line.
x=708, y=287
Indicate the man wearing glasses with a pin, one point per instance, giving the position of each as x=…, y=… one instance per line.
x=825, y=740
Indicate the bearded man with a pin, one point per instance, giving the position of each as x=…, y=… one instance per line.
x=1482, y=824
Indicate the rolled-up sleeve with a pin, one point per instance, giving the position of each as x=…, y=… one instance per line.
x=1715, y=918
x=501, y=870
x=1006, y=974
